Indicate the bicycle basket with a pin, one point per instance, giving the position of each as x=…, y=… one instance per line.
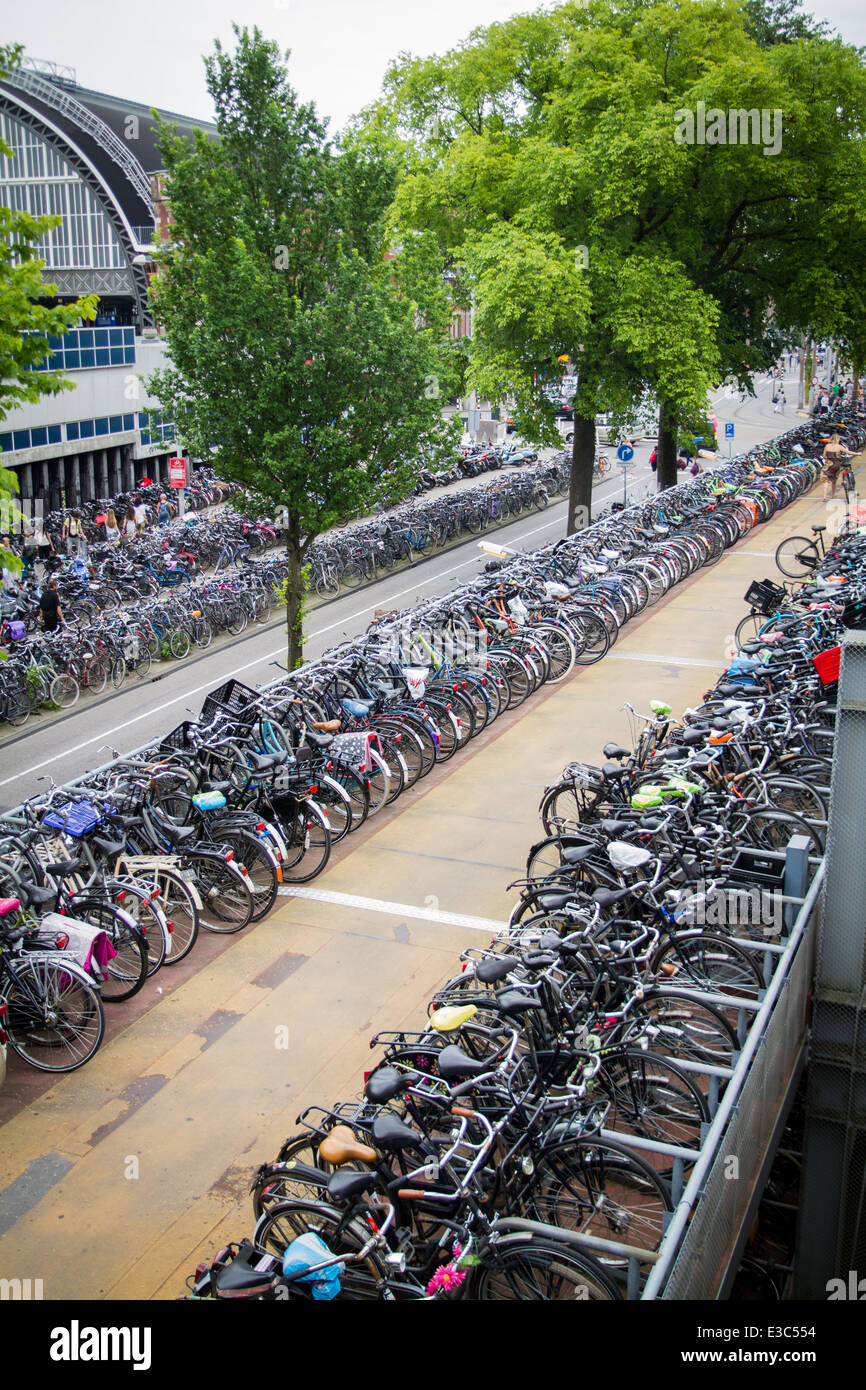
x=230, y=698
x=178, y=739
x=826, y=663
x=764, y=595
x=76, y=819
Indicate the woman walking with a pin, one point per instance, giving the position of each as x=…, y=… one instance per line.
x=835, y=455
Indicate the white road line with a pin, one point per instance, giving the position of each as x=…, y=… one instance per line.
x=662, y=660
x=419, y=914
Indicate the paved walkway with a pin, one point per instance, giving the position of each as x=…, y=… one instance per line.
x=120, y=1177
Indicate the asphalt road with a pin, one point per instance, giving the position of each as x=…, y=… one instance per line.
x=72, y=744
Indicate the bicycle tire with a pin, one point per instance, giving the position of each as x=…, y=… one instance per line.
x=797, y=557
x=227, y=900
x=542, y=1271
x=77, y=1008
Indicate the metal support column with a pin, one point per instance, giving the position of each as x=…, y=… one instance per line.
x=831, y=1239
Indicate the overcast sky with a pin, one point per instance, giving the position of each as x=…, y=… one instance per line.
x=152, y=53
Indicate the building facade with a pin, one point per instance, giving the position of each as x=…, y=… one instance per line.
x=91, y=160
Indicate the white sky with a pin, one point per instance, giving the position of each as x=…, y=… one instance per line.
x=152, y=53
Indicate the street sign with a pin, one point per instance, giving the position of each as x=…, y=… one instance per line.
x=625, y=453
x=177, y=472
x=729, y=431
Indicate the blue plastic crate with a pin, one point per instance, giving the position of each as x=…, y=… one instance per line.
x=76, y=820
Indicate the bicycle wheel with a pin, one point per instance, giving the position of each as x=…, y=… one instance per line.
x=310, y=841
x=689, y=1029
x=126, y=972
x=797, y=556
x=542, y=1270
x=179, y=643
x=181, y=911
x=355, y=787
x=54, y=1020
x=145, y=914
x=64, y=691
x=227, y=900
x=601, y=1188
x=651, y=1097
x=97, y=675
x=262, y=873
x=747, y=628
x=285, y=1221
x=707, y=961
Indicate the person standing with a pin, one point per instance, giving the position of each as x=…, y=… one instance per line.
x=49, y=606
x=8, y=575
x=44, y=543
x=140, y=514
x=72, y=534
x=164, y=513
x=130, y=526
x=112, y=530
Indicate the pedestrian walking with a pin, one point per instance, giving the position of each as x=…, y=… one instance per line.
x=653, y=460
x=835, y=455
x=780, y=402
x=140, y=514
x=130, y=525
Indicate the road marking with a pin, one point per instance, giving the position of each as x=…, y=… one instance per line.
x=662, y=660
x=420, y=914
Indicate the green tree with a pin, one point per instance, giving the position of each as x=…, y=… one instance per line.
x=578, y=130
x=25, y=322
x=307, y=362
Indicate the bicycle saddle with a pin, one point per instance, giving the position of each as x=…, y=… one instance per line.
x=385, y=1084
x=62, y=868
x=177, y=834
x=340, y=1146
x=360, y=708
x=107, y=846
x=321, y=740
x=615, y=750
x=575, y=854
x=613, y=772
x=489, y=971
x=511, y=1001
x=454, y=1065
x=249, y=1272
x=346, y=1184
x=616, y=827
x=391, y=1133
x=37, y=895
x=606, y=897
x=8, y=906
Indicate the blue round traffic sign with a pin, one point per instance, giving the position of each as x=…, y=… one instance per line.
x=624, y=453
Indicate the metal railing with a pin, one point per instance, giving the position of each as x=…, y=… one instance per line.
x=706, y=1226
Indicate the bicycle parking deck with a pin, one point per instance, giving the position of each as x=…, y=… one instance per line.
x=127, y=1173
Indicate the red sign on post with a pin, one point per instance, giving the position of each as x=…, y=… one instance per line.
x=177, y=472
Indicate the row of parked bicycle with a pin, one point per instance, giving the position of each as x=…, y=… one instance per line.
x=199, y=829
x=532, y=1137
x=94, y=649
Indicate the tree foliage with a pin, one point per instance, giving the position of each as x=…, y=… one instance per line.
x=556, y=138
x=303, y=358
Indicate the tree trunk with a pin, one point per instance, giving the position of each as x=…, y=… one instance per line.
x=294, y=595
x=801, y=393
x=666, y=457
x=855, y=383
x=582, y=464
